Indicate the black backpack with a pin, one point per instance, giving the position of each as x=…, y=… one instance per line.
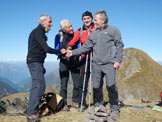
x=50, y=103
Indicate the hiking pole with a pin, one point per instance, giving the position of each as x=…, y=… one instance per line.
x=84, y=82
x=90, y=83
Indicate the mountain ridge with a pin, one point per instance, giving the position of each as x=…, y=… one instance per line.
x=18, y=71
x=141, y=76
x=6, y=89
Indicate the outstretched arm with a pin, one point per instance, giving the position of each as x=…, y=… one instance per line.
x=41, y=39
x=68, y=53
x=87, y=47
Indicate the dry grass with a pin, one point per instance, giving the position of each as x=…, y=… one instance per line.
x=126, y=115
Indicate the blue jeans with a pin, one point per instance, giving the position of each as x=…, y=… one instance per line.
x=38, y=86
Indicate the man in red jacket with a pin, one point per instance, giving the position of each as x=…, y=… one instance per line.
x=81, y=35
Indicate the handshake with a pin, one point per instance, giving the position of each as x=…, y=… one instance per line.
x=67, y=52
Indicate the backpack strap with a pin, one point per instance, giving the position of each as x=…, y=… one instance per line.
x=81, y=32
x=61, y=36
x=58, y=40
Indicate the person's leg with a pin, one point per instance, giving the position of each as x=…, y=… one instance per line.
x=75, y=73
x=96, y=77
x=101, y=87
x=64, y=76
x=110, y=73
x=38, y=87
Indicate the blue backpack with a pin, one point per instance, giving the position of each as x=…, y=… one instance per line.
x=58, y=39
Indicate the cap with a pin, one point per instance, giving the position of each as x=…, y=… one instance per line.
x=87, y=13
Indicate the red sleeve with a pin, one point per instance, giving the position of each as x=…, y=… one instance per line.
x=75, y=38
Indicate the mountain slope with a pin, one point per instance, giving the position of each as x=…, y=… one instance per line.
x=14, y=71
x=50, y=78
x=6, y=89
x=139, y=77
x=10, y=83
x=18, y=71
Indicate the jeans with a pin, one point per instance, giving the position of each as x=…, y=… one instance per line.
x=37, y=72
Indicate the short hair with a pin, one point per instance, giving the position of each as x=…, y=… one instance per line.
x=43, y=17
x=103, y=15
x=62, y=23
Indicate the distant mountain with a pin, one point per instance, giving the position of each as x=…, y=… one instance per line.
x=139, y=76
x=50, y=78
x=18, y=71
x=6, y=89
x=14, y=71
x=51, y=66
x=10, y=83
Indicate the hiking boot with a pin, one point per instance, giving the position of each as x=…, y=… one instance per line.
x=33, y=118
x=114, y=115
x=82, y=108
x=66, y=108
x=75, y=105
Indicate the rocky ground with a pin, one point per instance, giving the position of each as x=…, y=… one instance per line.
x=127, y=114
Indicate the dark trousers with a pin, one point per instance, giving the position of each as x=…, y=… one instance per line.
x=38, y=87
x=81, y=81
x=65, y=68
x=98, y=72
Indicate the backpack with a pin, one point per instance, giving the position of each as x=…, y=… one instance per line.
x=81, y=32
x=50, y=103
x=59, y=38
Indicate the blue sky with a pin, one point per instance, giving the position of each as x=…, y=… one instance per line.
x=140, y=22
